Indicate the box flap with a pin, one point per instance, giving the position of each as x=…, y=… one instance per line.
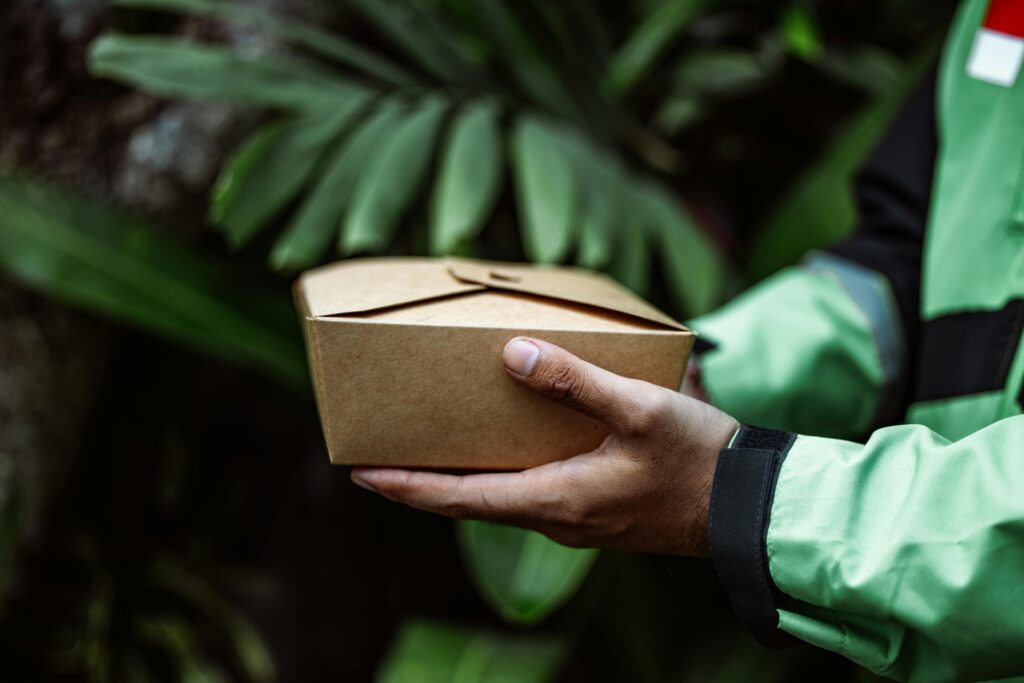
x=567, y=284
x=361, y=285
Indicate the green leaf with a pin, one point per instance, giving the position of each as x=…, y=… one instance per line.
x=678, y=112
x=720, y=72
x=522, y=574
x=526, y=64
x=819, y=209
x=318, y=219
x=604, y=205
x=647, y=43
x=546, y=192
x=392, y=178
x=801, y=33
x=171, y=67
x=176, y=638
x=630, y=263
x=269, y=170
x=865, y=66
x=94, y=258
x=469, y=178
x=424, y=652
x=421, y=35
x=330, y=45
x=692, y=265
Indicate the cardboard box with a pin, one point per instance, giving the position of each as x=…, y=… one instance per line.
x=405, y=354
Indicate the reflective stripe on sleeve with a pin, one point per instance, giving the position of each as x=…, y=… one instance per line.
x=871, y=293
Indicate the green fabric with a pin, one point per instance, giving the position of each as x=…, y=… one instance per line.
x=957, y=417
x=973, y=255
x=794, y=353
x=907, y=553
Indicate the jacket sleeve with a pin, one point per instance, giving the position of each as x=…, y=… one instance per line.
x=904, y=554
x=821, y=347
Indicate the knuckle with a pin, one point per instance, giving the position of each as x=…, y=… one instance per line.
x=650, y=415
x=566, y=384
x=401, y=490
x=488, y=508
x=455, y=504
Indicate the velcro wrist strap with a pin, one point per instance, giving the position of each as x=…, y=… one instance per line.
x=741, y=499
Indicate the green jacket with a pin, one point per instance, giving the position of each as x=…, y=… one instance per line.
x=881, y=515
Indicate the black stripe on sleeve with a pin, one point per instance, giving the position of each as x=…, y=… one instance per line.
x=968, y=353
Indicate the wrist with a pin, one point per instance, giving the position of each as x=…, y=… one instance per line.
x=723, y=429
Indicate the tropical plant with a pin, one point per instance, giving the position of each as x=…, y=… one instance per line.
x=352, y=146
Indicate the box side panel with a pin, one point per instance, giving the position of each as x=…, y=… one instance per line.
x=422, y=396
x=310, y=334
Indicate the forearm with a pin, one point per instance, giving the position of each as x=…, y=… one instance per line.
x=904, y=554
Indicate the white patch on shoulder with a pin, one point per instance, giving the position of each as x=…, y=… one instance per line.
x=995, y=57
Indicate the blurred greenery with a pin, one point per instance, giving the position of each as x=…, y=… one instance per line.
x=558, y=139
x=424, y=652
x=525, y=576
x=602, y=134
x=94, y=257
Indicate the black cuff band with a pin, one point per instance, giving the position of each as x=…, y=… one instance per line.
x=737, y=523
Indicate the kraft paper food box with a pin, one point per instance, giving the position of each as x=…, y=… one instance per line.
x=405, y=355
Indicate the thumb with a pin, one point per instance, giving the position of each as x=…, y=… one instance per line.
x=621, y=403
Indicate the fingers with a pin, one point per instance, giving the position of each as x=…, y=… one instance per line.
x=527, y=498
x=626, y=405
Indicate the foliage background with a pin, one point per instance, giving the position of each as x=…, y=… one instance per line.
x=167, y=165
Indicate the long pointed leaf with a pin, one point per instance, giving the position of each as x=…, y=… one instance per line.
x=522, y=574
x=604, y=206
x=692, y=265
x=419, y=34
x=392, y=179
x=469, y=178
x=330, y=45
x=267, y=173
x=318, y=219
x=94, y=258
x=521, y=57
x=630, y=262
x=177, y=68
x=546, y=191
x=648, y=42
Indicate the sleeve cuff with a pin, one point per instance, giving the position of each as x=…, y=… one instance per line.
x=741, y=499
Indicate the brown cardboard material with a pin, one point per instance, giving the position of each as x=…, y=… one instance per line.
x=405, y=355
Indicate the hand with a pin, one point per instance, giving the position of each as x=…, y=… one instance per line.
x=646, y=488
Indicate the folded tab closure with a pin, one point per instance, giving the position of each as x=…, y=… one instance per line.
x=573, y=285
x=364, y=285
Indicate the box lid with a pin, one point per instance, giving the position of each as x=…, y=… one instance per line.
x=364, y=285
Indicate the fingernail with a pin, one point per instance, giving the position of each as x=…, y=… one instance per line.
x=520, y=356
x=358, y=480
